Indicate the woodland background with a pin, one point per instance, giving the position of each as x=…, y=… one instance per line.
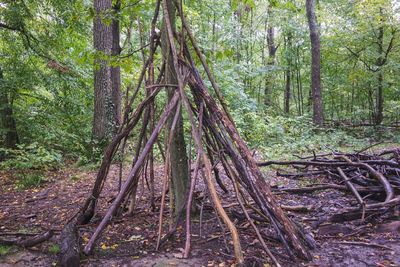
x=259, y=52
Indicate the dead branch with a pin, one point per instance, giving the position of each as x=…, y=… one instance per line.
x=89, y=247
x=28, y=242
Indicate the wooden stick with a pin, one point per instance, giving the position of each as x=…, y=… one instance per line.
x=351, y=187
x=377, y=175
x=205, y=66
x=186, y=252
x=151, y=155
x=260, y=238
x=257, y=186
x=357, y=243
x=87, y=210
x=166, y=175
x=197, y=139
x=89, y=246
x=329, y=186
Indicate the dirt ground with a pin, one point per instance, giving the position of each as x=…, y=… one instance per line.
x=130, y=240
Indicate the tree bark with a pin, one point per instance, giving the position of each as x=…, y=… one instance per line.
x=287, y=91
x=8, y=126
x=288, y=72
x=380, y=62
x=316, y=91
x=107, y=97
x=271, y=59
x=115, y=69
x=178, y=157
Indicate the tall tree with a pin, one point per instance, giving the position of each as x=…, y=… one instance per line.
x=316, y=91
x=272, y=47
x=373, y=45
x=288, y=72
x=107, y=96
x=115, y=69
x=178, y=157
x=8, y=127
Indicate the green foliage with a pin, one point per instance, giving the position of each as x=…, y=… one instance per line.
x=54, y=249
x=27, y=180
x=74, y=178
x=53, y=110
x=4, y=250
x=280, y=137
x=33, y=156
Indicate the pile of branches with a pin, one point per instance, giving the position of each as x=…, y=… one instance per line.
x=372, y=178
x=216, y=140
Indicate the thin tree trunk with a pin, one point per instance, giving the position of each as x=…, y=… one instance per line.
x=379, y=90
x=299, y=83
x=316, y=91
x=288, y=73
x=271, y=59
x=115, y=69
x=178, y=156
x=379, y=100
x=8, y=125
x=287, y=91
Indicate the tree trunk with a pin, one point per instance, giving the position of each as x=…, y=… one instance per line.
x=107, y=99
x=315, y=64
x=115, y=69
x=299, y=83
x=8, y=126
x=271, y=59
x=178, y=157
x=288, y=72
x=379, y=99
x=379, y=91
x=287, y=91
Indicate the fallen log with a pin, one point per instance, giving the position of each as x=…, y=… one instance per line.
x=310, y=189
x=28, y=242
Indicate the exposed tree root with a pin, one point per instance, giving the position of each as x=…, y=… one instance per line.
x=27, y=242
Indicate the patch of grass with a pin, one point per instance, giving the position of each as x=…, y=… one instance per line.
x=4, y=250
x=54, y=249
x=90, y=166
x=74, y=178
x=30, y=179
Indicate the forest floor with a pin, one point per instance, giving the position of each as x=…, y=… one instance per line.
x=131, y=240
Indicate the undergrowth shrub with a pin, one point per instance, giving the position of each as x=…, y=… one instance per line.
x=4, y=250
x=287, y=136
x=279, y=137
x=29, y=179
x=33, y=156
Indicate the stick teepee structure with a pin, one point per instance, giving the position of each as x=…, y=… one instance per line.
x=212, y=129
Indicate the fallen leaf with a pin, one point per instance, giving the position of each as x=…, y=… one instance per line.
x=134, y=237
x=177, y=255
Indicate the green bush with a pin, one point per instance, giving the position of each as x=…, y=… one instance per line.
x=33, y=156
x=54, y=249
x=28, y=180
x=287, y=136
x=4, y=250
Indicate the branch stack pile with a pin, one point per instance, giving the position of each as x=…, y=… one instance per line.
x=372, y=178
